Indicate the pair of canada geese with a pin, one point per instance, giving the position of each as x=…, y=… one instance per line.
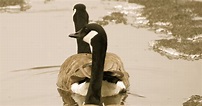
x=92, y=72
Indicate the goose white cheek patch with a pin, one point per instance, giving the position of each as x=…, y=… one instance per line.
x=74, y=11
x=89, y=36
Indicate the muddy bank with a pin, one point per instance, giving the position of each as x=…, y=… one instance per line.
x=181, y=22
x=14, y=6
x=194, y=100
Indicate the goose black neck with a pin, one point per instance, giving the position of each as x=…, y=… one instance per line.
x=98, y=59
x=80, y=19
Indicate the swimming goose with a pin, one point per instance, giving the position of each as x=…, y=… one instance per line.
x=95, y=75
x=81, y=18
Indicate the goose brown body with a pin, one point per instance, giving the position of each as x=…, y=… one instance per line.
x=78, y=67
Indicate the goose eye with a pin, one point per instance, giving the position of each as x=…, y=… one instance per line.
x=86, y=29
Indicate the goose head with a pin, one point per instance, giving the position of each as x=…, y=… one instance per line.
x=79, y=7
x=80, y=16
x=93, y=34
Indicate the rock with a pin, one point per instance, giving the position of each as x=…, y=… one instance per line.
x=194, y=100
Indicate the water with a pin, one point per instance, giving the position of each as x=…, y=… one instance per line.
x=34, y=44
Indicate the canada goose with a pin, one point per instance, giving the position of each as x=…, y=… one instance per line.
x=81, y=18
x=95, y=75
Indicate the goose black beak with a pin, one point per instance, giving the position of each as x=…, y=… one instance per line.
x=75, y=35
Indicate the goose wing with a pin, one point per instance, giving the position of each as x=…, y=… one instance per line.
x=78, y=67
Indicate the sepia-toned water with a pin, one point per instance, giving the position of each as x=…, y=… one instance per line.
x=33, y=44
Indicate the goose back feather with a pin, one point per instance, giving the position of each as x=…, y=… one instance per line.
x=78, y=67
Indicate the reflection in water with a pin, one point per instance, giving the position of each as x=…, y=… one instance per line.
x=70, y=99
